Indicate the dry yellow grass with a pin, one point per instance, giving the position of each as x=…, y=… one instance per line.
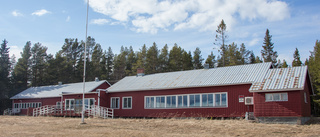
x=58, y=126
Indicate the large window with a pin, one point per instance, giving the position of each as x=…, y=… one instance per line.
x=187, y=100
x=115, y=101
x=276, y=97
x=127, y=102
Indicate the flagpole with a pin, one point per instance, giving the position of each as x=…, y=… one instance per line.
x=84, y=67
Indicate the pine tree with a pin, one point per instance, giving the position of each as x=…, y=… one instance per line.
x=245, y=54
x=197, y=59
x=175, y=58
x=252, y=58
x=141, y=60
x=187, y=63
x=120, y=64
x=220, y=39
x=39, y=56
x=296, y=58
x=211, y=60
x=284, y=64
x=22, y=71
x=5, y=66
x=152, y=60
x=267, y=53
x=258, y=60
x=164, y=59
x=314, y=69
x=131, y=59
x=109, y=63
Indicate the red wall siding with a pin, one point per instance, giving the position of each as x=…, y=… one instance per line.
x=295, y=105
x=234, y=109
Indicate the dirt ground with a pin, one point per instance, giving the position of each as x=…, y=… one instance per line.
x=18, y=126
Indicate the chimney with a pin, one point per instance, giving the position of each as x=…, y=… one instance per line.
x=96, y=79
x=140, y=72
x=206, y=66
x=59, y=83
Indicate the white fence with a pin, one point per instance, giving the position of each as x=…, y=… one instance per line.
x=11, y=111
x=95, y=111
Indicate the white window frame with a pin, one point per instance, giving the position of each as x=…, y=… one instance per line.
x=214, y=105
x=123, y=107
x=280, y=96
x=69, y=105
x=118, y=102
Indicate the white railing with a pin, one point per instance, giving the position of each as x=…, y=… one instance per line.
x=10, y=111
x=46, y=110
x=98, y=111
x=95, y=111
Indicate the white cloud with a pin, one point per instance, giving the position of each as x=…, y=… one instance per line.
x=41, y=12
x=254, y=42
x=68, y=19
x=15, y=50
x=100, y=21
x=149, y=16
x=16, y=13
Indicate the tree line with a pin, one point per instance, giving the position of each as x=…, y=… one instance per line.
x=37, y=68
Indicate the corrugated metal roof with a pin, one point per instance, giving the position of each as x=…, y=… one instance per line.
x=281, y=79
x=56, y=90
x=193, y=78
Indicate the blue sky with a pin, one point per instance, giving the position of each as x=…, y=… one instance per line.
x=189, y=23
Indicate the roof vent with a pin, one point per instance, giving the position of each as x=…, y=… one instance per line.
x=206, y=66
x=140, y=72
x=96, y=79
x=59, y=83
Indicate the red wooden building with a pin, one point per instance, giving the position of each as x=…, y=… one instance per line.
x=268, y=94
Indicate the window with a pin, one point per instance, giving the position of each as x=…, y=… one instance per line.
x=305, y=97
x=276, y=97
x=127, y=102
x=194, y=100
x=149, y=102
x=88, y=102
x=69, y=104
x=115, y=102
x=171, y=101
x=187, y=101
x=58, y=105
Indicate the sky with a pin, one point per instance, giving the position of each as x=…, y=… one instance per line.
x=189, y=23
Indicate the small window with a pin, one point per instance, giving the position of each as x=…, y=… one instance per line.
x=305, y=97
x=58, y=105
x=127, y=102
x=276, y=97
x=115, y=102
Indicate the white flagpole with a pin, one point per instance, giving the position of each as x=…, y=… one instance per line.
x=84, y=67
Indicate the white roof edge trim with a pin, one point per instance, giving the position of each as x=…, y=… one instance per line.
x=78, y=93
x=274, y=90
x=36, y=97
x=177, y=87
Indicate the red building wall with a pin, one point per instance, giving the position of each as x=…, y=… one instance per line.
x=294, y=107
x=44, y=101
x=234, y=109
